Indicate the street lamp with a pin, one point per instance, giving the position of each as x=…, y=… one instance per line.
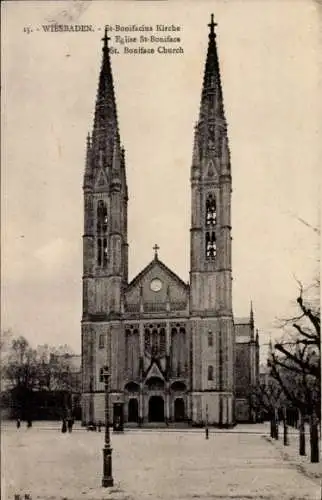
x=107, y=450
x=206, y=427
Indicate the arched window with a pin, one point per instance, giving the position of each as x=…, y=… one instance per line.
x=99, y=251
x=210, y=339
x=132, y=348
x=162, y=341
x=104, y=252
x=155, y=338
x=147, y=343
x=101, y=342
x=105, y=220
x=211, y=213
x=178, y=351
x=101, y=230
x=211, y=247
x=101, y=217
x=210, y=372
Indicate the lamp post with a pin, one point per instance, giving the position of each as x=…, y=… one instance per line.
x=206, y=427
x=107, y=450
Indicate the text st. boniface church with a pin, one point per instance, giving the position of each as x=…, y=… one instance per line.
x=174, y=351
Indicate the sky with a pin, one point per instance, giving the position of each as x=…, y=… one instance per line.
x=271, y=76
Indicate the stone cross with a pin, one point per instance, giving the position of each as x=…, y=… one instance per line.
x=156, y=248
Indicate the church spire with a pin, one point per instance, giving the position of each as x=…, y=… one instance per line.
x=105, y=119
x=212, y=122
x=251, y=316
x=251, y=320
x=211, y=98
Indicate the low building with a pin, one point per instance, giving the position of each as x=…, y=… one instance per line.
x=246, y=367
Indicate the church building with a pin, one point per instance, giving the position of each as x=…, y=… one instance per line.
x=169, y=345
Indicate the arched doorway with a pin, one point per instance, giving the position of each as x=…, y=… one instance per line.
x=133, y=410
x=179, y=410
x=156, y=409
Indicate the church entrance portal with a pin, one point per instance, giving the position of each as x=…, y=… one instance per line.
x=179, y=410
x=133, y=410
x=156, y=409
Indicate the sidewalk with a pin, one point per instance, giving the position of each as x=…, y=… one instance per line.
x=290, y=453
x=50, y=425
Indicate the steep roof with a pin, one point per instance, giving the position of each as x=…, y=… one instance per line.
x=165, y=268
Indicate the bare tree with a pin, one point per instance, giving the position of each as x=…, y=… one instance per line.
x=268, y=397
x=296, y=365
x=28, y=371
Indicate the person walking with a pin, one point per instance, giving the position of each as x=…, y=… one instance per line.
x=64, y=427
x=70, y=423
x=18, y=423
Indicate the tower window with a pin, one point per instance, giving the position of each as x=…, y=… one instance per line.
x=210, y=372
x=211, y=213
x=210, y=339
x=104, y=252
x=105, y=221
x=101, y=342
x=101, y=217
x=211, y=247
x=101, y=229
x=102, y=375
x=99, y=252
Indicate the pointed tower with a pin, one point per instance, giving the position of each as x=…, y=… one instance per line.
x=210, y=253
x=105, y=247
x=251, y=322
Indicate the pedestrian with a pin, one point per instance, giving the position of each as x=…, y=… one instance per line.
x=64, y=427
x=70, y=420
x=29, y=423
x=18, y=423
x=70, y=423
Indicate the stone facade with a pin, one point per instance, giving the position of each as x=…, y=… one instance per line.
x=169, y=345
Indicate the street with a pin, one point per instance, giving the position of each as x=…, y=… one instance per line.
x=154, y=464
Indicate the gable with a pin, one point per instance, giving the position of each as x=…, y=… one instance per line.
x=210, y=170
x=101, y=179
x=155, y=286
x=154, y=372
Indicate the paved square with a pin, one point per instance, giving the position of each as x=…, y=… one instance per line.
x=154, y=464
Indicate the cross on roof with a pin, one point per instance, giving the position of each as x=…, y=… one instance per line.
x=105, y=38
x=156, y=248
x=212, y=25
